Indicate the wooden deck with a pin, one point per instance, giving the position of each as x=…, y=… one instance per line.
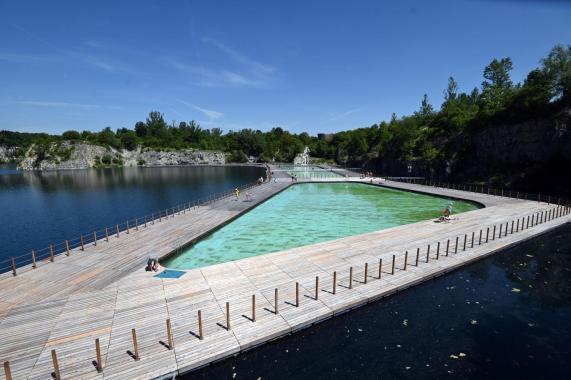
x=103, y=293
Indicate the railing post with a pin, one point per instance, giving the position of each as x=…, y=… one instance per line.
x=136, y=224
x=52, y=252
x=317, y=287
x=494, y=233
x=145, y=221
x=500, y=234
x=7, y=371
x=297, y=294
x=472, y=243
x=506, y=233
x=512, y=229
x=169, y=334
x=335, y=281
x=99, y=364
x=428, y=253
x=417, y=256
x=67, y=247
x=81, y=241
x=366, y=274
x=228, y=316
x=456, y=246
x=405, y=261
x=56, y=365
x=95, y=238
x=33, y=259
x=350, y=277
x=253, y=308
x=13, y=266
x=276, y=300
x=480, y=238
x=438, y=251
x=127, y=224
x=200, y=332
x=447, y=246
x=527, y=222
x=106, y=234
x=117, y=229
x=135, y=344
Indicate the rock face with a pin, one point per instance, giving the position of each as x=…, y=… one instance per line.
x=8, y=153
x=79, y=155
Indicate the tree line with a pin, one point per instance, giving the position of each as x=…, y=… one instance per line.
x=424, y=135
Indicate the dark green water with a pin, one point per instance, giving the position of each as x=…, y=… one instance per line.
x=505, y=317
x=40, y=208
x=310, y=213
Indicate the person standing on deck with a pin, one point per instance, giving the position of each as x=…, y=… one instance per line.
x=237, y=193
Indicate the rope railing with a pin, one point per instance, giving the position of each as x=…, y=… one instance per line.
x=31, y=260
x=377, y=270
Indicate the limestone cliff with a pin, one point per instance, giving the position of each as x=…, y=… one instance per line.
x=80, y=155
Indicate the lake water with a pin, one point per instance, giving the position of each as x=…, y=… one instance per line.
x=39, y=208
x=309, y=213
x=505, y=317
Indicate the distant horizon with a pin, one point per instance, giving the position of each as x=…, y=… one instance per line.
x=315, y=68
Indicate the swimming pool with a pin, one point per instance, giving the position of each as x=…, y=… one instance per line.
x=309, y=213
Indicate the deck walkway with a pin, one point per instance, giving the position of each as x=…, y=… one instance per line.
x=103, y=293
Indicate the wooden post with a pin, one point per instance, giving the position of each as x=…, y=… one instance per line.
x=480, y=238
x=153, y=217
x=405, y=260
x=316, y=288
x=95, y=238
x=350, y=277
x=56, y=365
x=7, y=371
x=160, y=215
x=127, y=224
x=228, y=316
x=506, y=233
x=135, y=344
x=145, y=221
x=465, y=239
x=393, y=265
x=417, y=256
x=52, y=252
x=494, y=233
x=106, y=234
x=200, y=332
x=472, y=244
x=98, y=363
x=13, y=266
x=366, y=274
x=456, y=246
x=136, y=224
x=437, y=250
x=297, y=294
x=512, y=230
x=428, y=253
x=500, y=234
x=335, y=281
x=169, y=334
x=253, y=308
x=447, y=246
x=517, y=226
x=487, y=233
x=33, y=259
x=67, y=247
x=276, y=299
x=117, y=229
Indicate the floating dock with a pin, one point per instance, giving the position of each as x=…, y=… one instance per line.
x=96, y=314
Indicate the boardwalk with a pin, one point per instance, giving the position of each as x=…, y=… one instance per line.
x=103, y=293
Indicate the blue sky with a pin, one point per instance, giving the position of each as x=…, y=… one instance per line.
x=315, y=66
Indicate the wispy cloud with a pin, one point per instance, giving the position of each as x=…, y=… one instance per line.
x=36, y=103
x=206, y=77
x=20, y=58
x=239, y=57
x=343, y=115
x=210, y=114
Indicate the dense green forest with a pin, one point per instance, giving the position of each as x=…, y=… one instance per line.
x=426, y=136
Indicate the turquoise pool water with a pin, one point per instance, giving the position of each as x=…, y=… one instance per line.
x=309, y=213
